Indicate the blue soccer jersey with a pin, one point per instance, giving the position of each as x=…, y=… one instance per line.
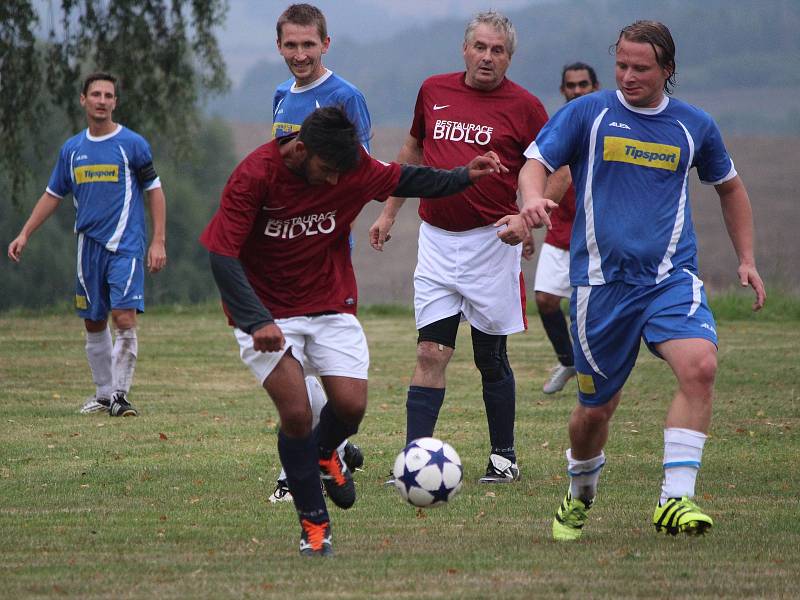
x=292, y=104
x=107, y=177
x=630, y=168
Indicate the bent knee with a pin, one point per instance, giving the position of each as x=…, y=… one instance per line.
x=702, y=370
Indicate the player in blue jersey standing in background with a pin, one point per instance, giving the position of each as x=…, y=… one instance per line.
x=633, y=262
x=108, y=169
x=302, y=40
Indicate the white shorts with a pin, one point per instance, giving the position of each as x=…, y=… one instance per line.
x=552, y=272
x=325, y=345
x=469, y=272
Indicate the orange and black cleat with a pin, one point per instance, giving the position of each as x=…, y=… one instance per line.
x=338, y=480
x=316, y=539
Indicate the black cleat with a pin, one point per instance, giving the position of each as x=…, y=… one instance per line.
x=338, y=480
x=315, y=539
x=353, y=457
x=120, y=407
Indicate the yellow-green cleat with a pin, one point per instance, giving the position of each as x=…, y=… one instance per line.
x=681, y=515
x=570, y=518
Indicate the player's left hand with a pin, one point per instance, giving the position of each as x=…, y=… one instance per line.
x=156, y=257
x=485, y=165
x=748, y=276
x=515, y=232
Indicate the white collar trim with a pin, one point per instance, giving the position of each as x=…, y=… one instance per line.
x=105, y=137
x=299, y=89
x=644, y=111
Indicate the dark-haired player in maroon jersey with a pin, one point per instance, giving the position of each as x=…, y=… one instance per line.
x=551, y=283
x=463, y=269
x=281, y=259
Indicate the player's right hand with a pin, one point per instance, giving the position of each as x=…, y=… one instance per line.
x=486, y=164
x=16, y=247
x=268, y=338
x=536, y=212
x=379, y=232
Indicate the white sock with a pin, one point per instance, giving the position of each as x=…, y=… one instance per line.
x=584, y=475
x=98, y=353
x=316, y=397
x=126, y=347
x=683, y=449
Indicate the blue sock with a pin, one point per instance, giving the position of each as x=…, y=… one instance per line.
x=300, y=461
x=422, y=411
x=499, y=397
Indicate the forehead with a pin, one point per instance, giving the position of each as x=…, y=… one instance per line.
x=577, y=75
x=299, y=33
x=640, y=53
x=488, y=36
x=103, y=86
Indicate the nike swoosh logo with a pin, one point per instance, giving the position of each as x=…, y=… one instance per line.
x=437, y=107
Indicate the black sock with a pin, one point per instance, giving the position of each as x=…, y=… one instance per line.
x=300, y=461
x=499, y=397
x=555, y=326
x=332, y=431
x=422, y=411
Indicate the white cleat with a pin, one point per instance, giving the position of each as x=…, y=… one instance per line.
x=559, y=376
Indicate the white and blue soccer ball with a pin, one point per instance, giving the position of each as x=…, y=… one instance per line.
x=428, y=473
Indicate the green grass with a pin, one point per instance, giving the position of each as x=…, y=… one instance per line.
x=173, y=504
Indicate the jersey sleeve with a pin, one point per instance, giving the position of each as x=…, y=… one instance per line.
x=241, y=200
x=418, y=124
x=60, y=183
x=355, y=107
x=714, y=164
x=556, y=141
x=143, y=166
x=379, y=179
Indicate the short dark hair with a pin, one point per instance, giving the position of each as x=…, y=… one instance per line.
x=303, y=14
x=99, y=76
x=579, y=66
x=660, y=39
x=329, y=134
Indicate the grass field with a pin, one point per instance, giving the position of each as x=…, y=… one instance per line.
x=173, y=504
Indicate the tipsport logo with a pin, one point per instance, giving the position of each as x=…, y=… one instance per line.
x=645, y=154
x=305, y=225
x=456, y=131
x=95, y=173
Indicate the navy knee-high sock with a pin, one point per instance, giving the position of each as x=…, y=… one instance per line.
x=422, y=411
x=300, y=461
x=499, y=397
x=555, y=326
x=332, y=431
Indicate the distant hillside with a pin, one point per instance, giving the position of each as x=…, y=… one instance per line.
x=738, y=59
x=764, y=164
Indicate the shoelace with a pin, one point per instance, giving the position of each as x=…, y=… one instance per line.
x=315, y=533
x=333, y=468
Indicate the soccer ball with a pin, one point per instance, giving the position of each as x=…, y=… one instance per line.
x=427, y=473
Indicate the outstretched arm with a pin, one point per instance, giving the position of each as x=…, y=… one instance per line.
x=738, y=215
x=45, y=206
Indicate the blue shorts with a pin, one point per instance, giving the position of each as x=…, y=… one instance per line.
x=106, y=281
x=609, y=320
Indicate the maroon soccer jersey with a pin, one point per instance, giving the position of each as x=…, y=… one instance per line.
x=292, y=238
x=454, y=123
x=561, y=219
